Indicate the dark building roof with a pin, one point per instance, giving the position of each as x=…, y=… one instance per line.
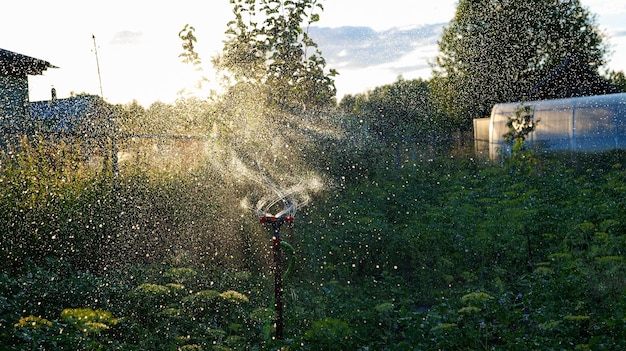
x=14, y=64
x=572, y=78
x=68, y=115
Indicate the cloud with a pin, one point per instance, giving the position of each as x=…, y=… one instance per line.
x=366, y=57
x=618, y=33
x=126, y=37
x=361, y=47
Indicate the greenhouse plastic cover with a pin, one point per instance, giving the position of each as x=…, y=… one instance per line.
x=592, y=123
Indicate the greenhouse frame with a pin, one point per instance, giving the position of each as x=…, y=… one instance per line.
x=585, y=124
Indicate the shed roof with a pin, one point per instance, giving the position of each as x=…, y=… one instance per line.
x=66, y=114
x=14, y=64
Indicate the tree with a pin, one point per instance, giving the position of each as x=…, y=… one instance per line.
x=267, y=47
x=189, y=54
x=520, y=125
x=495, y=51
x=399, y=111
x=618, y=79
x=191, y=57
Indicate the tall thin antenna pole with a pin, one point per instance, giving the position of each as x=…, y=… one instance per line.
x=95, y=50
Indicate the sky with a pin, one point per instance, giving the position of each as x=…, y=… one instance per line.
x=370, y=42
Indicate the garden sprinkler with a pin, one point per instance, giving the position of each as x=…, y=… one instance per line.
x=275, y=222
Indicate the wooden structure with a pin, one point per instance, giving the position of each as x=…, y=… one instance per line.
x=14, y=71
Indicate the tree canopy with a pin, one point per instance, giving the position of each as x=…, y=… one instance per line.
x=618, y=79
x=398, y=111
x=268, y=47
x=495, y=51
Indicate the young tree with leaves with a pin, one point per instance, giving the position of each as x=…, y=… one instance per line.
x=495, y=51
x=520, y=126
x=267, y=47
x=190, y=56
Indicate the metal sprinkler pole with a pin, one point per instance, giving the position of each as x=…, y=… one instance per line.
x=276, y=223
x=278, y=284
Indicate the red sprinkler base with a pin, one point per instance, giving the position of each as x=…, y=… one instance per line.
x=274, y=219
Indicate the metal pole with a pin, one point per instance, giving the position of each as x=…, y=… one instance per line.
x=278, y=283
x=276, y=223
x=95, y=49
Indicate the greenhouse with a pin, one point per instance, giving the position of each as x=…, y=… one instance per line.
x=591, y=123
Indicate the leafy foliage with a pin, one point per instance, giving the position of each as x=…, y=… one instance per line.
x=618, y=79
x=473, y=248
x=268, y=48
x=398, y=112
x=401, y=249
x=41, y=175
x=493, y=52
x=443, y=253
x=520, y=125
x=189, y=39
